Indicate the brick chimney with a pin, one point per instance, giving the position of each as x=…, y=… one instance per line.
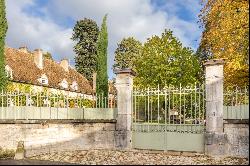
x=94, y=81
x=23, y=49
x=38, y=58
x=65, y=64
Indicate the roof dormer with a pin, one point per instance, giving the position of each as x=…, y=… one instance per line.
x=74, y=86
x=64, y=84
x=43, y=79
x=9, y=71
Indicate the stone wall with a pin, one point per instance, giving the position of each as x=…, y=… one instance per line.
x=237, y=139
x=40, y=137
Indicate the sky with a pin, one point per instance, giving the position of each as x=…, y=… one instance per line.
x=48, y=24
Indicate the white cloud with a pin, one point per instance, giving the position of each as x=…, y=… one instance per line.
x=138, y=18
x=35, y=32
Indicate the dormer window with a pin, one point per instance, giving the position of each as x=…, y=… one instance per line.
x=9, y=72
x=64, y=84
x=43, y=79
x=74, y=86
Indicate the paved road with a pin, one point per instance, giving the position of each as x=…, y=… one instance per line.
x=31, y=162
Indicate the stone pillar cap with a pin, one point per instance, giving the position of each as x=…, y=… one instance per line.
x=125, y=71
x=213, y=62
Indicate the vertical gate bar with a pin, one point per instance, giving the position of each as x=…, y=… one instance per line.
x=203, y=105
x=169, y=103
x=138, y=108
x=184, y=118
x=81, y=99
x=48, y=98
x=245, y=101
x=236, y=99
x=18, y=110
x=102, y=101
x=95, y=100
x=173, y=106
x=236, y=102
x=145, y=109
x=54, y=99
x=195, y=103
x=18, y=97
x=148, y=109
x=111, y=100
x=191, y=102
x=67, y=106
x=165, y=109
x=2, y=97
x=7, y=105
x=151, y=103
x=83, y=108
x=135, y=107
x=40, y=105
x=36, y=99
x=199, y=104
x=232, y=101
x=158, y=107
x=105, y=102
x=7, y=94
x=57, y=100
x=180, y=103
x=99, y=100
x=240, y=103
x=31, y=101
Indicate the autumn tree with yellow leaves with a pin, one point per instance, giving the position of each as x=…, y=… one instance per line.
x=226, y=35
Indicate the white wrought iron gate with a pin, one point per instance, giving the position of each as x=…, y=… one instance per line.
x=169, y=118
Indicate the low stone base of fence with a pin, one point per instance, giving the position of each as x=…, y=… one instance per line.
x=237, y=142
x=49, y=136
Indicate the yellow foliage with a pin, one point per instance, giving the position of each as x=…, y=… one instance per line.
x=226, y=35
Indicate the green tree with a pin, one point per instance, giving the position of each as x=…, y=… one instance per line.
x=102, y=45
x=3, y=30
x=128, y=50
x=164, y=61
x=48, y=55
x=85, y=33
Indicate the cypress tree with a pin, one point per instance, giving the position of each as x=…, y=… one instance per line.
x=3, y=30
x=102, y=76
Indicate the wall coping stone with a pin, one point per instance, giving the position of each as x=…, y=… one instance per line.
x=125, y=71
x=236, y=121
x=213, y=62
x=56, y=121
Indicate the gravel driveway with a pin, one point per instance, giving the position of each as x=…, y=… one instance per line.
x=136, y=157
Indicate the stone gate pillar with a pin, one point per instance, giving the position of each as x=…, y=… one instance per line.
x=124, y=86
x=214, y=137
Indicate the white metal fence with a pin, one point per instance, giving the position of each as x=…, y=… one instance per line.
x=20, y=105
x=236, y=103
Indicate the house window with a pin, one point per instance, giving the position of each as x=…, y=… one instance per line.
x=74, y=86
x=8, y=71
x=64, y=84
x=43, y=79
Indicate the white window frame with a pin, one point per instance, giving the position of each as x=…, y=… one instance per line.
x=9, y=72
x=43, y=80
x=64, y=83
x=74, y=85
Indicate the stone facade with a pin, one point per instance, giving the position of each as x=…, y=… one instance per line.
x=47, y=137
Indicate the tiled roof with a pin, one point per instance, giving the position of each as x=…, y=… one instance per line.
x=25, y=70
